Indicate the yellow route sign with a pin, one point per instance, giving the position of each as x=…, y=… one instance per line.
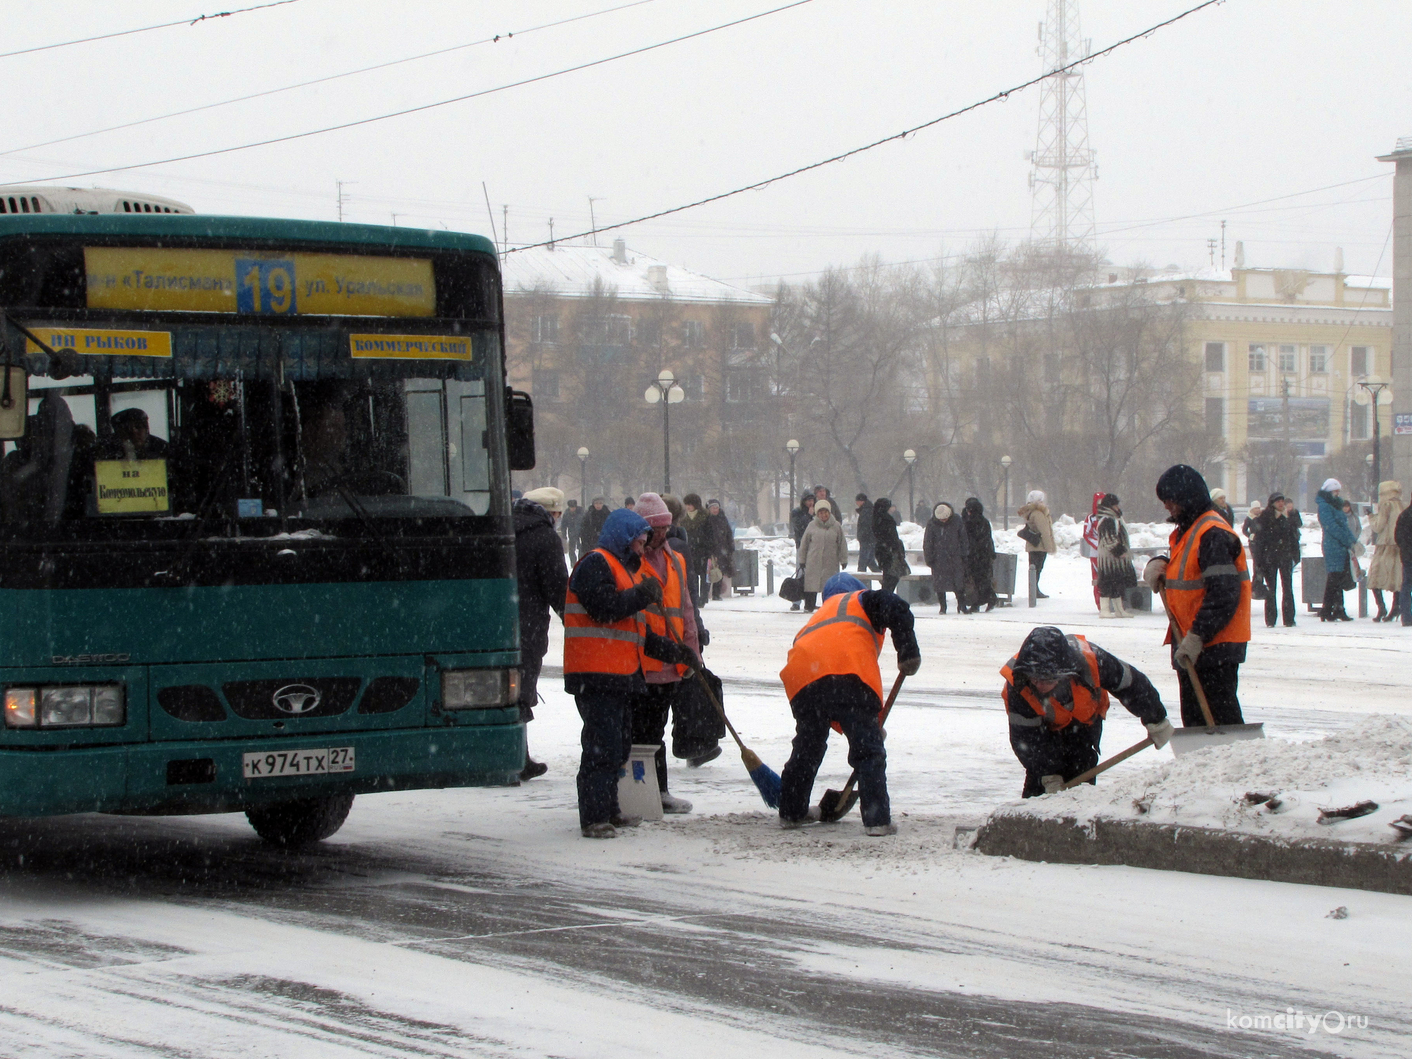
x=102, y=342
x=131, y=487
x=241, y=281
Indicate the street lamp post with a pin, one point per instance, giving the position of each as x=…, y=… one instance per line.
x=1375, y=388
x=665, y=389
x=792, y=447
x=1005, y=462
x=582, y=454
x=1372, y=477
x=909, y=458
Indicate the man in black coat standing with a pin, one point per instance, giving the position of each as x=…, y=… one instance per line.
x=543, y=579
x=592, y=525
x=863, y=507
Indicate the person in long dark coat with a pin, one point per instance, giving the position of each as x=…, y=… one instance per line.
x=980, y=557
x=945, y=547
x=693, y=524
x=543, y=580
x=863, y=509
x=891, y=556
x=722, y=538
x=1116, y=573
x=592, y=524
x=1278, y=535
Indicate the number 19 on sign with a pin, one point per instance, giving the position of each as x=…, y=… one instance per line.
x=264, y=285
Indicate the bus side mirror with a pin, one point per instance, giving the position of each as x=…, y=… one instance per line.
x=14, y=403
x=519, y=429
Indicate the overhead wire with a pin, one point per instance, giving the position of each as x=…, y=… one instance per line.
x=996, y=97
x=508, y=35
x=446, y=102
x=146, y=29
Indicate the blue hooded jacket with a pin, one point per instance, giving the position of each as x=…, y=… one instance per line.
x=621, y=529
x=1338, y=538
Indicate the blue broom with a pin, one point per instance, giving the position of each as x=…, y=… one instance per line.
x=766, y=779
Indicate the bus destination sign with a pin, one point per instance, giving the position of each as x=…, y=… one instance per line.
x=240, y=281
x=101, y=342
x=410, y=347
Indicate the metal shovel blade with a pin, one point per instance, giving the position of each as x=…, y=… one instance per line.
x=1200, y=737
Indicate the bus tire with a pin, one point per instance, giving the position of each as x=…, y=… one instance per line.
x=300, y=822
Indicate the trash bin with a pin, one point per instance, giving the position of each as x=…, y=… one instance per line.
x=1312, y=576
x=747, y=572
x=1004, y=575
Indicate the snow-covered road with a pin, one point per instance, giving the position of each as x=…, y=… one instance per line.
x=478, y=923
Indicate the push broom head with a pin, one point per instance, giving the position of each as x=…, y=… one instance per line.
x=766, y=779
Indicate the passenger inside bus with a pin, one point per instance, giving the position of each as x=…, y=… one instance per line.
x=133, y=439
x=325, y=448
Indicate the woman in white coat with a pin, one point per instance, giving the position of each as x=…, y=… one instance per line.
x=823, y=551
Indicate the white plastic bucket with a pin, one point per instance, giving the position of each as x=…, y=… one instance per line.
x=637, y=784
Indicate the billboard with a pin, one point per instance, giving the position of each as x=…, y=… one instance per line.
x=1308, y=418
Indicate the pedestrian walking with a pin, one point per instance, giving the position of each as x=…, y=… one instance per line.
x=891, y=556
x=1037, y=533
x=800, y=518
x=606, y=640
x=1115, y=561
x=823, y=551
x=693, y=524
x=832, y=677
x=1089, y=538
x=1221, y=507
x=921, y=514
x=1278, y=537
x=673, y=618
x=592, y=525
x=1385, y=569
x=1056, y=699
x=980, y=556
x=542, y=579
x=1207, y=588
x=945, y=547
x=570, y=527
x=722, y=538
x=1402, y=537
x=863, y=513
x=1338, y=550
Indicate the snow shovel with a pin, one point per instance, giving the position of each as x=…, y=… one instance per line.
x=1186, y=739
x=1104, y=766
x=834, y=805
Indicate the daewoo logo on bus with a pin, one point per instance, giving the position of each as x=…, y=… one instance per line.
x=297, y=698
x=106, y=659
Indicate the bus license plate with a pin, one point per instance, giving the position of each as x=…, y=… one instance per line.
x=318, y=762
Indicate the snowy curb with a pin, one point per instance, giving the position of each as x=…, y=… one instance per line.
x=1204, y=850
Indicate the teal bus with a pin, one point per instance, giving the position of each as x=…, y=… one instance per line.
x=256, y=551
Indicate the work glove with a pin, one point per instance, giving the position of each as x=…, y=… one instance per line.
x=1052, y=784
x=651, y=588
x=1188, y=650
x=702, y=636
x=909, y=666
x=1155, y=574
x=1161, y=732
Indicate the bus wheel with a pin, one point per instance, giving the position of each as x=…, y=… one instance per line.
x=302, y=821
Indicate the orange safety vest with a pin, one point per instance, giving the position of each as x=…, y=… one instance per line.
x=1090, y=700
x=1186, y=589
x=667, y=615
x=838, y=640
x=590, y=647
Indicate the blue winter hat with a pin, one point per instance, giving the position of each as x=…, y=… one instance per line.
x=841, y=583
x=621, y=527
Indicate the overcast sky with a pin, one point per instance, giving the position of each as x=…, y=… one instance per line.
x=1244, y=102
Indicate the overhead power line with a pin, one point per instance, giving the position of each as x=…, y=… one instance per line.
x=508, y=35
x=442, y=102
x=146, y=29
x=997, y=97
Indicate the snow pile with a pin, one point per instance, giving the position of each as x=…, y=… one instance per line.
x=1208, y=788
x=779, y=550
x=756, y=836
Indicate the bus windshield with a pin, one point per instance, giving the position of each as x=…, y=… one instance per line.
x=237, y=448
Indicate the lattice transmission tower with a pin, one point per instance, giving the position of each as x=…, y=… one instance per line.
x=1062, y=164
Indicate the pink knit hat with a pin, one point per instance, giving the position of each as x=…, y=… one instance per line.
x=651, y=507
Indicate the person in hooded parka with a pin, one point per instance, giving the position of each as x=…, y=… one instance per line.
x=944, y=549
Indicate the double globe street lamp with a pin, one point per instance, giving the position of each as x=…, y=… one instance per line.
x=582, y=454
x=909, y=457
x=665, y=389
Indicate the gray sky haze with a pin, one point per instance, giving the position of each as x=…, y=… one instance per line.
x=1238, y=112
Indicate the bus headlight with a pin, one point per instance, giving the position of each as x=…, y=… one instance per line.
x=479, y=689
x=65, y=706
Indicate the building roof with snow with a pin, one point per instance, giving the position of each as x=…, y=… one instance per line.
x=574, y=271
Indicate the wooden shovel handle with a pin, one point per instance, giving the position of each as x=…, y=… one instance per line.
x=1190, y=669
x=882, y=719
x=1104, y=766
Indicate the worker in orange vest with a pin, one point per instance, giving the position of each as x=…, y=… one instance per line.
x=675, y=618
x=832, y=675
x=1056, y=698
x=606, y=641
x=1208, y=593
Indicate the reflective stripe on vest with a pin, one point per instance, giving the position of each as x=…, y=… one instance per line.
x=1090, y=701
x=838, y=640
x=614, y=649
x=668, y=614
x=1186, y=585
